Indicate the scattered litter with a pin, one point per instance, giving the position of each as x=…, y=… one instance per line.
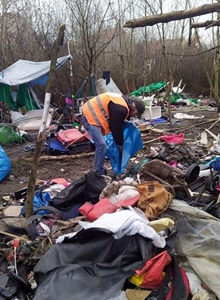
x=145, y=229
x=186, y=116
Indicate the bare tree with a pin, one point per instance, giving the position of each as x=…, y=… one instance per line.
x=91, y=21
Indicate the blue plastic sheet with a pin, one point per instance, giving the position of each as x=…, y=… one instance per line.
x=132, y=144
x=214, y=163
x=5, y=164
x=40, y=199
x=159, y=121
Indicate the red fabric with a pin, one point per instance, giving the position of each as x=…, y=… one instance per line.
x=173, y=138
x=62, y=181
x=93, y=212
x=127, y=202
x=153, y=271
x=186, y=283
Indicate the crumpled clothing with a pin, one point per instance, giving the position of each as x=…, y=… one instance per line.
x=121, y=223
x=114, y=187
x=181, y=152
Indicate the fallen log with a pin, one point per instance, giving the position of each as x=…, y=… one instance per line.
x=173, y=16
x=60, y=157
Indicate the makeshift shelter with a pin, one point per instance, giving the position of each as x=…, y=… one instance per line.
x=95, y=87
x=104, y=87
x=17, y=80
x=91, y=89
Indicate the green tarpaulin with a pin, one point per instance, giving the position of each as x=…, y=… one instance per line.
x=153, y=88
x=91, y=89
x=6, y=97
x=23, y=98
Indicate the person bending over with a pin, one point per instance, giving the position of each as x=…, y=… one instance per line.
x=106, y=113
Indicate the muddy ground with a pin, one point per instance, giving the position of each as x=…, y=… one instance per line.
x=73, y=168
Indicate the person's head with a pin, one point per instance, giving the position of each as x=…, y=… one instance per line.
x=136, y=106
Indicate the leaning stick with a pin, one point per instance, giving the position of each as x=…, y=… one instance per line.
x=201, y=123
x=14, y=236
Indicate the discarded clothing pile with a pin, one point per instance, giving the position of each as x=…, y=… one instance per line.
x=180, y=152
x=112, y=240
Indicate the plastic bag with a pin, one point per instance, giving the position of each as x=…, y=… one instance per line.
x=5, y=164
x=151, y=275
x=198, y=240
x=8, y=135
x=132, y=143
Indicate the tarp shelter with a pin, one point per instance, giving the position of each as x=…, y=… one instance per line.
x=103, y=87
x=91, y=88
x=79, y=95
x=17, y=80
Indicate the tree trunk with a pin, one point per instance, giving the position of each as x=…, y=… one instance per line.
x=41, y=137
x=172, y=16
x=216, y=67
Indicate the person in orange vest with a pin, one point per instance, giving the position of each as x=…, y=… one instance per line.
x=107, y=113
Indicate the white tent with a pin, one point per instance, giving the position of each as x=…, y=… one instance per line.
x=23, y=74
x=24, y=71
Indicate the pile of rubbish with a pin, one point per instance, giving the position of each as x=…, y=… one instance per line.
x=151, y=234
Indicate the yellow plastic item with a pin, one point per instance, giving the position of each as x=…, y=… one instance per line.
x=137, y=280
x=161, y=224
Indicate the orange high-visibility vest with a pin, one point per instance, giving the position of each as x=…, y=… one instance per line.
x=96, y=110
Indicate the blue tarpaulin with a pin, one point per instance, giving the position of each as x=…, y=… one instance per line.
x=132, y=143
x=5, y=164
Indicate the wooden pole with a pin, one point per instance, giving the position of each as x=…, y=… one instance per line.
x=71, y=83
x=41, y=136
